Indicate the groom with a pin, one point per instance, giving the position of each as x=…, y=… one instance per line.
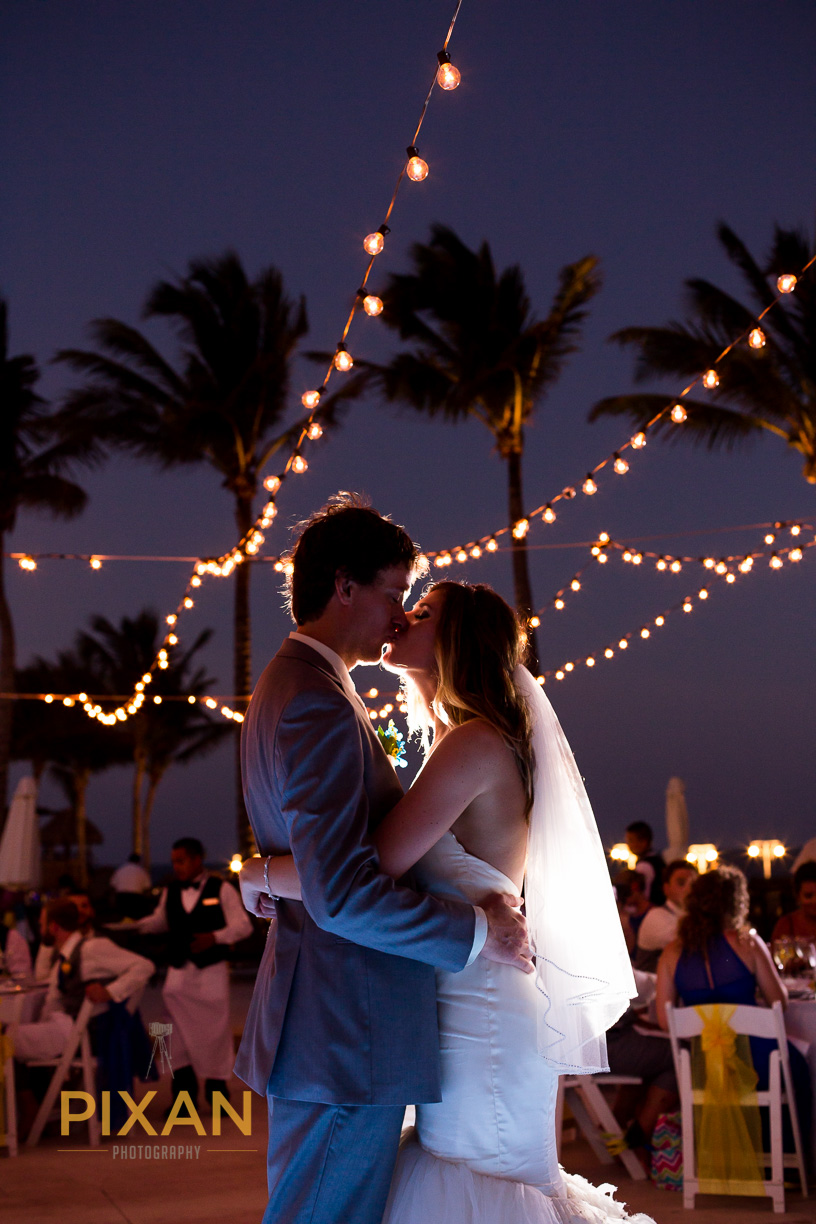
x=342, y=1033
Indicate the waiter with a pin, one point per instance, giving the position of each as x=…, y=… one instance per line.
x=203, y=915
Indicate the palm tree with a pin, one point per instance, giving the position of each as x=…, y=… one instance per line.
x=66, y=739
x=174, y=732
x=32, y=458
x=223, y=403
x=768, y=389
x=475, y=351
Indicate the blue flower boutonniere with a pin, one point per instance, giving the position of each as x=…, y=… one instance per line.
x=393, y=741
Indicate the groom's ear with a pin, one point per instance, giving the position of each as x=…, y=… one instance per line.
x=343, y=585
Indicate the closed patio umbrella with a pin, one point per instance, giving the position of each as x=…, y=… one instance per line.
x=20, y=843
x=677, y=830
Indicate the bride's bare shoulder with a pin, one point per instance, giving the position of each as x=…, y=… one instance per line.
x=474, y=742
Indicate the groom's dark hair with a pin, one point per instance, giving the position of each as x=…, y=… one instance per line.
x=345, y=535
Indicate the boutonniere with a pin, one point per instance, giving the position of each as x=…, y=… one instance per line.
x=66, y=967
x=393, y=741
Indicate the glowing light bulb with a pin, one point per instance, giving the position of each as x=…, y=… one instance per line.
x=569, y=666
x=603, y=538
x=602, y=558
x=48, y=698
x=637, y=558
x=372, y=305
x=720, y=567
x=687, y=605
x=608, y=653
x=314, y=431
x=210, y=703
x=569, y=493
x=659, y=621
x=559, y=675
x=476, y=551
x=638, y=440
x=188, y=603
x=171, y=619
x=521, y=528
x=95, y=563
x=711, y=379
x=195, y=581
x=589, y=486
x=678, y=413
x=778, y=851
x=775, y=561
x=448, y=77
x=310, y=400
x=491, y=545
x=746, y=565
x=620, y=465
x=590, y=662
x=575, y=585
x=644, y=633
x=373, y=243
x=660, y=563
x=417, y=169
x=753, y=851
x=702, y=593
x=343, y=359
x=675, y=566
x=27, y=563
x=172, y=640
x=795, y=529
x=534, y=622
x=709, y=563
x=626, y=555
x=756, y=338
x=770, y=537
x=156, y=701
x=730, y=578
x=786, y=283
x=622, y=644
x=272, y=484
x=461, y=555
x=549, y=514
x=559, y=603
x=795, y=554
x=191, y=700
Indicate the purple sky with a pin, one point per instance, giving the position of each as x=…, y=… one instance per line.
x=135, y=137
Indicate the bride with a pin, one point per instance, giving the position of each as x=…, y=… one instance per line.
x=498, y=803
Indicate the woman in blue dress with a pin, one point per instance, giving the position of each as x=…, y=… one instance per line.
x=717, y=959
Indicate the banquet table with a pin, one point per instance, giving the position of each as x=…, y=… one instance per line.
x=20, y=1003
x=800, y=1024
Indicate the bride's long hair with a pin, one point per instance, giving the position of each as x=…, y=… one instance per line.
x=479, y=643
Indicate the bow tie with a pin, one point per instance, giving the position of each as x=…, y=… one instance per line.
x=190, y=884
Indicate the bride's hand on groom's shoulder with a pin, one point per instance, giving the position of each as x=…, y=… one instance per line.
x=507, y=940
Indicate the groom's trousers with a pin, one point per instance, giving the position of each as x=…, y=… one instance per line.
x=329, y=1164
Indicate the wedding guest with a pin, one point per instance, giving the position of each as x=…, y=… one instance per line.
x=15, y=955
x=635, y=1048
x=639, y=839
x=801, y=923
x=717, y=959
x=806, y=855
x=47, y=953
x=630, y=887
x=203, y=915
x=659, y=925
x=130, y=883
x=87, y=967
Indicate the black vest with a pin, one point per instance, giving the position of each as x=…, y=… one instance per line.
x=201, y=919
x=69, y=980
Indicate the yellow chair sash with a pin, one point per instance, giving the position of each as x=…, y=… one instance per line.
x=727, y=1129
x=6, y=1051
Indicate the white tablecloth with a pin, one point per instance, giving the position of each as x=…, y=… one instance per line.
x=21, y=1006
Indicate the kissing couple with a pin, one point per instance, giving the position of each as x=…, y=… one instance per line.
x=399, y=969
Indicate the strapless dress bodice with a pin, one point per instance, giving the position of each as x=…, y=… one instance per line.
x=448, y=870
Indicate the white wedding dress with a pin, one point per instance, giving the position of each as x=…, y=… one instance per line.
x=486, y=1154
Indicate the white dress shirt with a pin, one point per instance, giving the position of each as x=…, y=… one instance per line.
x=337, y=664
x=237, y=922
x=659, y=927
x=100, y=959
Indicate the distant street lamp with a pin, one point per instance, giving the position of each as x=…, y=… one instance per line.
x=620, y=853
x=767, y=851
x=704, y=856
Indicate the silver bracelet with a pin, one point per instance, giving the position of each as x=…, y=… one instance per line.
x=266, y=879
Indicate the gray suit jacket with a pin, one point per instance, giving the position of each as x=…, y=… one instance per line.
x=344, y=1008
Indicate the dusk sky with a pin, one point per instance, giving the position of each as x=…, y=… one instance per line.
x=135, y=137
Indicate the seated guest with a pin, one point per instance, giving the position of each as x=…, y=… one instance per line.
x=639, y=838
x=659, y=925
x=47, y=952
x=801, y=924
x=630, y=888
x=15, y=955
x=637, y=1052
x=716, y=959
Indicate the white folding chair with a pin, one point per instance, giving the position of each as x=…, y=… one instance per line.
x=76, y=1056
x=684, y=1023
x=594, y=1116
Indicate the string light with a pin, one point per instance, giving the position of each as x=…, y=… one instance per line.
x=711, y=379
x=521, y=528
x=548, y=514
x=372, y=305
x=374, y=243
x=678, y=413
x=27, y=563
x=416, y=169
x=589, y=486
x=343, y=360
x=638, y=441
x=756, y=338
x=447, y=77
x=786, y=283
x=620, y=465
x=95, y=563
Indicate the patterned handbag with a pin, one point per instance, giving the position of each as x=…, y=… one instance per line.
x=667, y=1152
